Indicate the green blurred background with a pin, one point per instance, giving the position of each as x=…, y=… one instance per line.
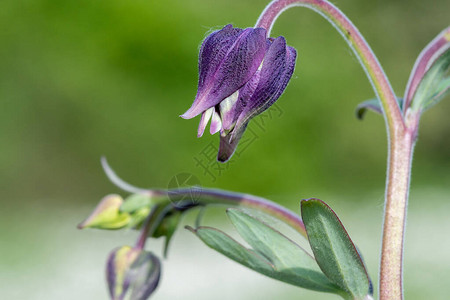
x=82, y=79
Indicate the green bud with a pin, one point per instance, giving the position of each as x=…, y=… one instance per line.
x=107, y=215
x=132, y=273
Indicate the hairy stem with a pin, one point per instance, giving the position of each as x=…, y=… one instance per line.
x=400, y=138
x=140, y=243
x=215, y=196
x=357, y=43
x=397, y=190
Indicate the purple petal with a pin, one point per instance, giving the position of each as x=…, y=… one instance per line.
x=245, y=94
x=275, y=74
x=213, y=51
x=228, y=146
x=235, y=69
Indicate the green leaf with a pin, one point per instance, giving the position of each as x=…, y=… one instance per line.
x=167, y=228
x=373, y=105
x=434, y=85
x=272, y=253
x=226, y=245
x=334, y=250
x=135, y=202
x=138, y=217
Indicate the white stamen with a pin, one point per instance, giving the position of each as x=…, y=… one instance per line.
x=216, y=123
x=204, y=121
x=226, y=112
x=227, y=104
x=261, y=65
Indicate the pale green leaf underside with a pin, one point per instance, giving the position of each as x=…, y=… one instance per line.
x=434, y=85
x=272, y=253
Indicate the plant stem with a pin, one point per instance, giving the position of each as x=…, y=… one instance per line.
x=357, y=43
x=215, y=196
x=140, y=243
x=401, y=139
x=198, y=196
x=397, y=190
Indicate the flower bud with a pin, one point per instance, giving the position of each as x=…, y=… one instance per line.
x=107, y=215
x=241, y=74
x=132, y=273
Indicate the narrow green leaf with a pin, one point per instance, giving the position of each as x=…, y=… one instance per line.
x=167, y=228
x=289, y=263
x=435, y=84
x=284, y=254
x=226, y=245
x=334, y=250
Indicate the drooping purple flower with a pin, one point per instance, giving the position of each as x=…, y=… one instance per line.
x=241, y=74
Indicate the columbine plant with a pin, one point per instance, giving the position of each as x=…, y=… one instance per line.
x=242, y=72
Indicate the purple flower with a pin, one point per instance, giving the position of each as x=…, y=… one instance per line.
x=241, y=74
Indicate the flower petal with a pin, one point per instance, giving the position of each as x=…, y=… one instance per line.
x=277, y=69
x=228, y=146
x=213, y=51
x=228, y=111
x=204, y=121
x=245, y=94
x=216, y=123
x=237, y=66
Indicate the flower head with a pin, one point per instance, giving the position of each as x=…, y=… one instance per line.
x=241, y=74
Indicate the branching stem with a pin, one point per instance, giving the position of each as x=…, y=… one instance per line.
x=401, y=138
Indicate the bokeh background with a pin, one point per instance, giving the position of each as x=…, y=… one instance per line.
x=82, y=79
